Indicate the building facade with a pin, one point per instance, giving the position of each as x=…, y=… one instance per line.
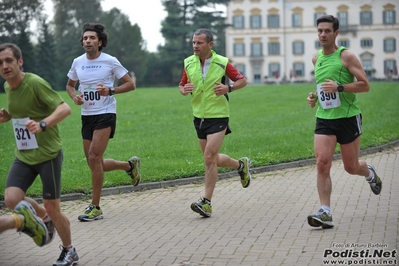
x=273, y=41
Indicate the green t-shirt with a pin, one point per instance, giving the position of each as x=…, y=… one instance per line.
x=34, y=98
x=330, y=67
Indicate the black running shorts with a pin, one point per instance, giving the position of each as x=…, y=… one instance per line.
x=93, y=122
x=22, y=175
x=207, y=126
x=345, y=129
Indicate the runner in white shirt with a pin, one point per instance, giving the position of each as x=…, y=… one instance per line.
x=96, y=72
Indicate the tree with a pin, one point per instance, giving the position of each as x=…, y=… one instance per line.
x=125, y=40
x=17, y=15
x=15, y=20
x=184, y=17
x=69, y=18
x=126, y=43
x=28, y=51
x=46, y=51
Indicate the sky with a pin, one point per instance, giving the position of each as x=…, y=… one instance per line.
x=148, y=16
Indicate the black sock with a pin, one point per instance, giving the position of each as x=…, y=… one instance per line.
x=205, y=199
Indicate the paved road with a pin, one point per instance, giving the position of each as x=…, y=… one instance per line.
x=264, y=224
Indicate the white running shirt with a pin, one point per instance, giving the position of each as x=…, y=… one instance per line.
x=89, y=73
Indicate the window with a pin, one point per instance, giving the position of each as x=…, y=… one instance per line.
x=256, y=21
x=390, y=68
x=238, y=22
x=317, y=44
x=389, y=45
x=273, y=21
x=317, y=15
x=274, y=70
x=296, y=20
x=343, y=20
x=256, y=49
x=274, y=48
x=389, y=17
x=366, y=43
x=240, y=68
x=298, y=47
x=344, y=43
x=366, y=18
x=367, y=66
x=239, y=49
x=257, y=74
x=299, y=69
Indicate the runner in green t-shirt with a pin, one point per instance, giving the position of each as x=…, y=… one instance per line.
x=34, y=110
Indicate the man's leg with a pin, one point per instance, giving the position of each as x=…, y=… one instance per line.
x=210, y=148
x=69, y=255
x=226, y=161
x=131, y=167
x=350, y=156
x=24, y=217
x=324, y=147
x=7, y=222
x=94, y=151
x=111, y=165
x=242, y=166
x=60, y=221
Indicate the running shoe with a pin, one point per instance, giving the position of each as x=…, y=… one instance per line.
x=245, y=174
x=67, y=257
x=91, y=213
x=51, y=231
x=321, y=218
x=134, y=171
x=376, y=183
x=203, y=207
x=33, y=226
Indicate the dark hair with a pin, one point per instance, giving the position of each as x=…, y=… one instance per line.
x=99, y=29
x=330, y=19
x=208, y=34
x=14, y=48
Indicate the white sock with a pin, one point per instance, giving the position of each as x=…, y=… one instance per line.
x=46, y=218
x=326, y=208
x=371, y=176
x=68, y=247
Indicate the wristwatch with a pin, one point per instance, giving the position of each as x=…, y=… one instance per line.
x=340, y=88
x=111, y=91
x=43, y=125
x=231, y=88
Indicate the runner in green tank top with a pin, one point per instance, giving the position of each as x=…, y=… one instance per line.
x=339, y=76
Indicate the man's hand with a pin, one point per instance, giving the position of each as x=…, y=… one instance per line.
x=33, y=126
x=187, y=88
x=220, y=89
x=104, y=91
x=78, y=99
x=4, y=116
x=312, y=97
x=329, y=86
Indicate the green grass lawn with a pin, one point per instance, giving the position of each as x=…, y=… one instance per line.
x=270, y=125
